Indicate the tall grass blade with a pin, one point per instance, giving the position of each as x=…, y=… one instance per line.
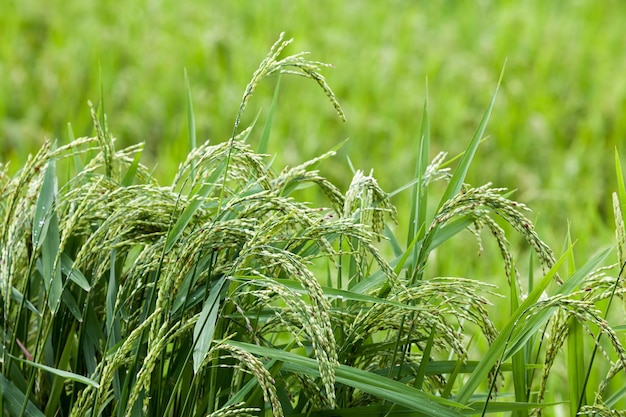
x=458, y=177
x=575, y=366
x=46, y=234
x=394, y=410
x=522, y=333
x=197, y=199
x=518, y=360
x=205, y=326
x=499, y=345
x=621, y=188
x=58, y=372
x=13, y=399
x=59, y=382
x=78, y=165
x=267, y=129
x=75, y=275
x=191, y=123
x=371, y=383
x=419, y=202
x=44, y=206
x=456, y=183
x=421, y=371
x=131, y=173
x=619, y=199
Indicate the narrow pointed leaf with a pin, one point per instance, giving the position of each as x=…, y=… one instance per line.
x=265, y=137
x=58, y=372
x=43, y=208
x=419, y=202
x=205, y=326
x=495, y=351
x=621, y=188
x=13, y=399
x=67, y=267
x=458, y=177
x=371, y=383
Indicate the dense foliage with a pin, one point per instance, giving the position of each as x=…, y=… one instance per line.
x=226, y=294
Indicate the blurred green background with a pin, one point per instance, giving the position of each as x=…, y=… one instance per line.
x=559, y=115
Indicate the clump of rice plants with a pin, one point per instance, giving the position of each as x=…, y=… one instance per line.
x=222, y=294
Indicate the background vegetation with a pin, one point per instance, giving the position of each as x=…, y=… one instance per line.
x=559, y=114
x=552, y=133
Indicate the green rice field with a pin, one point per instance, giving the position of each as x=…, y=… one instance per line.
x=159, y=258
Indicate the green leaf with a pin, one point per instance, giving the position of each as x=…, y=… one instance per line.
x=19, y=297
x=44, y=205
x=13, y=399
x=331, y=293
x=621, y=188
x=67, y=267
x=516, y=333
x=197, y=198
x=394, y=410
x=371, y=383
x=518, y=360
x=205, y=326
x=495, y=351
x=46, y=234
x=419, y=201
x=129, y=177
x=531, y=326
x=191, y=123
x=421, y=371
x=265, y=137
x=72, y=305
x=458, y=177
x=575, y=365
x=58, y=372
x=78, y=164
x=58, y=382
x=53, y=279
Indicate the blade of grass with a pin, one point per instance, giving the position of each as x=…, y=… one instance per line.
x=267, y=129
x=205, y=326
x=379, y=386
x=191, y=123
x=520, y=332
x=417, y=216
x=14, y=398
x=575, y=348
x=43, y=207
x=421, y=371
x=458, y=177
x=330, y=292
x=597, y=342
x=185, y=217
x=78, y=164
x=495, y=351
x=456, y=182
x=621, y=188
x=444, y=233
x=575, y=366
x=129, y=177
x=58, y=381
x=398, y=411
x=45, y=233
x=518, y=360
x=67, y=267
x=58, y=372
x=197, y=195
x=531, y=326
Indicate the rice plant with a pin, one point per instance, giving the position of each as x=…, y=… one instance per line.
x=223, y=294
